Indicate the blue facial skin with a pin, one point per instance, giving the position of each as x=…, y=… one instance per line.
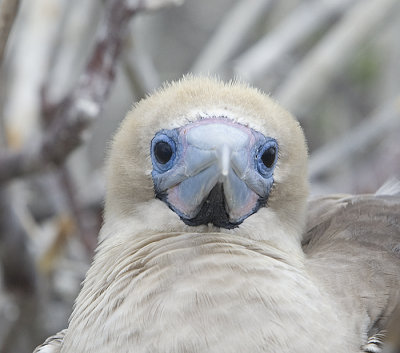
x=205, y=195
x=171, y=138
x=266, y=171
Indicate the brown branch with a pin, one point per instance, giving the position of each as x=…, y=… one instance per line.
x=17, y=263
x=8, y=11
x=81, y=106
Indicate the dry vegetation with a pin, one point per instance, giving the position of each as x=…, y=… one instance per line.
x=71, y=69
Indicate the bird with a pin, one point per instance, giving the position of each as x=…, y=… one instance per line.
x=211, y=242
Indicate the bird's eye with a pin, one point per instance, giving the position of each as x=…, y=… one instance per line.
x=162, y=152
x=268, y=157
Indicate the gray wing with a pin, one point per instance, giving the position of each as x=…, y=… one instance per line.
x=367, y=219
x=352, y=245
x=53, y=344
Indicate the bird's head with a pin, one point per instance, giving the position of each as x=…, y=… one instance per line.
x=202, y=154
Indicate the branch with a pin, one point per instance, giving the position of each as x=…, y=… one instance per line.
x=142, y=75
x=8, y=11
x=37, y=33
x=332, y=154
x=148, y=5
x=81, y=106
x=17, y=263
x=305, y=20
x=70, y=52
x=230, y=35
x=312, y=76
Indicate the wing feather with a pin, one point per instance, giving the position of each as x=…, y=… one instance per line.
x=352, y=244
x=53, y=344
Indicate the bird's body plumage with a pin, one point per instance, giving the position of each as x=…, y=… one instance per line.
x=352, y=244
x=268, y=284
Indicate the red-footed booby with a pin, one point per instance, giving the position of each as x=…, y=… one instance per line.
x=207, y=244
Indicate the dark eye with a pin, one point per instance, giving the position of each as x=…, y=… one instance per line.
x=268, y=157
x=162, y=152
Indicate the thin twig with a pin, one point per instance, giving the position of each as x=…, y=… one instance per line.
x=312, y=76
x=304, y=20
x=230, y=35
x=330, y=155
x=8, y=11
x=79, y=108
x=88, y=236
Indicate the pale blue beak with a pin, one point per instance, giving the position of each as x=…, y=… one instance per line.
x=213, y=171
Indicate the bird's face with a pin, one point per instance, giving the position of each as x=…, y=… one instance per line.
x=213, y=170
x=201, y=153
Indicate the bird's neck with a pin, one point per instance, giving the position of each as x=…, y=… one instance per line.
x=154, y=219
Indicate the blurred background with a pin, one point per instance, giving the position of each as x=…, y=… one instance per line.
x=71, y=69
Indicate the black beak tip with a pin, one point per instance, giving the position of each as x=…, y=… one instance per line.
x=213, y=210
